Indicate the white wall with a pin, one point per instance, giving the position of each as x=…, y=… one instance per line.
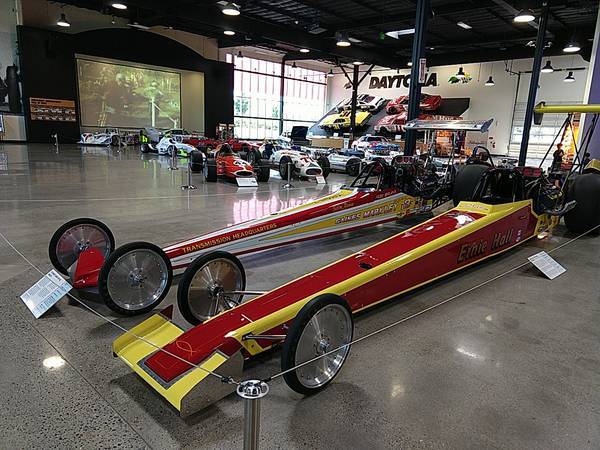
x=486, y=102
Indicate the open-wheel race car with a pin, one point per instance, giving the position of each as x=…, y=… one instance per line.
x=135, y=277
x=300, y=164
x=311, y=318
x=226, y=164
x=110, y=136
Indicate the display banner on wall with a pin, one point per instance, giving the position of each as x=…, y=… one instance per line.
x=399, y=80
x=52, y=109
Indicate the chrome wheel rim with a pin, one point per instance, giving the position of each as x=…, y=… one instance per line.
x=328, y=329
x=137, y=279
x=205, y=294
x=78, y=239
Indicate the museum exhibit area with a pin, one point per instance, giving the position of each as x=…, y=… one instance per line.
x=252, y=225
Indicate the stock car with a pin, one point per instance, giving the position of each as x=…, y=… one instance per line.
x=192, y=369
x=394, y=123
x=338, y=121
x=226, y=164
x=364, y=102
x=428, y=103
x=110, y=136
x=367, y=141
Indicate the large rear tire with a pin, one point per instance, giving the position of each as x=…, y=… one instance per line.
x=76, y=236
x=323, y=162
x=210, y=170
x=324, y=324
x=285, y=164
x=135, y=278
x=353, y=167
x=199, y=295
x=466, y=181
x=262, y=170
x=196, y=161
x=585, y=190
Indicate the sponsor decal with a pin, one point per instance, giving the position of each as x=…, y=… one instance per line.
x=478, y=248
x=229, y=237
x=400, y=80
x=373, y=212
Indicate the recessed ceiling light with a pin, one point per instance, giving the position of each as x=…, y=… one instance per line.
x=572, y=47
x=343, y=40
x=62, y=21
x=231, y=9
x=569, y=78
x=398, y=33
x=118, y=5
x=547, y=68
x=464, y=25
x=229, y=33
x=524, y=16
x=304, y=50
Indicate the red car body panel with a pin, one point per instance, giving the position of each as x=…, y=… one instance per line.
x=394, y=123
x=428, y=103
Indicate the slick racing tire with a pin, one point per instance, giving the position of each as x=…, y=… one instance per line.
x=74, y=237
x=353, y=167
x=585, y=190
x=323, y=325
x=196, y=161
x=144, y=148
x=252, y=156
x=199, y=294
x=285, y=164
x=135, y=278
x=210, y=170
x=262, y=170
x=466, y=181
x=323, y=162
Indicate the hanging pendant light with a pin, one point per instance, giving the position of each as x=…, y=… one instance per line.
x=62, y=21
x=572, y=47
x=569, y=78
x=524, y=16
x=343, y=40
x=490, y=82
x=330, y=74
x=461, y=73
x=240, y=54
x=547, y=68
x=231, y=9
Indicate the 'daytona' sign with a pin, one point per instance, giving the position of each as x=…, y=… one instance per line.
x=397, y=81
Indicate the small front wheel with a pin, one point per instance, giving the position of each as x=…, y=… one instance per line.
x=135, y=278
x=323, y=325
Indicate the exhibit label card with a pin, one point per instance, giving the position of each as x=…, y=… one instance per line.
x=44, y=294
x=247, y=182
x=321, y=179
x=547, y=265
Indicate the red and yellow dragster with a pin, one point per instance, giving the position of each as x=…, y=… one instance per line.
x=136, y=277
x=312, y=315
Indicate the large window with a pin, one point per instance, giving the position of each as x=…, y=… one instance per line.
x=257, y=97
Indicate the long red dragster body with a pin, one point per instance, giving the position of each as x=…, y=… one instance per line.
x=467, y=234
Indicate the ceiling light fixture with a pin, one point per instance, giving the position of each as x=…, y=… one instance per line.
x=409, y=63
x=343, y=40
x=396, y=34
x=461, y=73
x=547, y=68
x=240, y=54
x=294, y=66
x=572, y=47
x=118, y=5
x=62, y=21
x=490, y=82
x=229, y=33
x=524, y=16
x=231, y=9
x=304, y=50
x=466, y=26
x=330, y=74
x=569, y=78
x=358, y=63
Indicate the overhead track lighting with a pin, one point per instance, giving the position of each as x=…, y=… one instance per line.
x=569, y=78
x=524, y=16
x=547, y=68
x=490, y=82
x=62, y=21
x=343, y=40
x=572, y=47
x=229, y=33
x=460, y=74
x=118, y=5
x=231, y=9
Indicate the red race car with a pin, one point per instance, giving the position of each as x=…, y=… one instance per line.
x=394, y=123
x=225, y=163
x=201, y=142
x=428, y=103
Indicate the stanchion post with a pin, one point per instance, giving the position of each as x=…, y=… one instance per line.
x=174, y=160
x=189, y=184
x=289, y=176
x=252, y=391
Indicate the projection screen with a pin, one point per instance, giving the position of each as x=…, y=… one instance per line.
x=124, y=96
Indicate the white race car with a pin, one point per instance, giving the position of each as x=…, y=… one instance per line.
x=301, y=163
x=348, y=163
x=168, y=145
x=364, y=102
x=110, y=136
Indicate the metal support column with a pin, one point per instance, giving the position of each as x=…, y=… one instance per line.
x=252, y=391
x=414, y=91
x=533, y=84
x=281, y=95
x=355, y=84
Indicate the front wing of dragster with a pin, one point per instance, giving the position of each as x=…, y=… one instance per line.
x=449, y=242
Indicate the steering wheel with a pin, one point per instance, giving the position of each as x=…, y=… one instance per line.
x=480, y=155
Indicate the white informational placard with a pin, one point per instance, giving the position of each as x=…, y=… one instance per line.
x=547, y=265
x=247, y=182
x=40, y=297
x=321, y=179
x=346, y=142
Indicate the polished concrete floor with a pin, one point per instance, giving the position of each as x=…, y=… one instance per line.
x=512, y=364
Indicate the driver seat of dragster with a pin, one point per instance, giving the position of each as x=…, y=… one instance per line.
x=499, y=186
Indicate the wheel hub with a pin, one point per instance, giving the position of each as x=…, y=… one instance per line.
x=323, y=345
x=136, y=277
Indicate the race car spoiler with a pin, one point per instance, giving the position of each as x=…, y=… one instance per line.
x=542, y=108
x=451, y=125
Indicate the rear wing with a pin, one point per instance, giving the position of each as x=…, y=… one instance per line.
x=542, y=108
x=450, y=125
